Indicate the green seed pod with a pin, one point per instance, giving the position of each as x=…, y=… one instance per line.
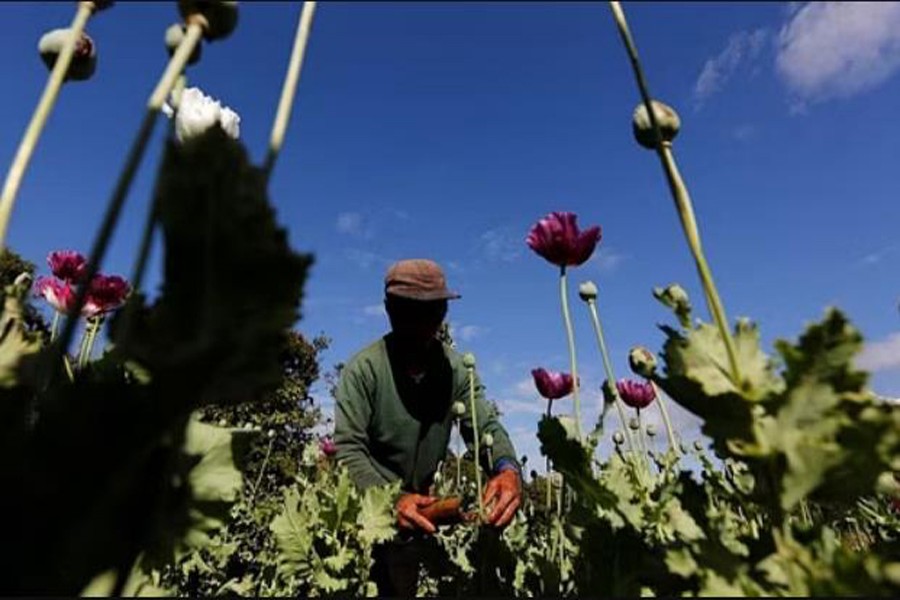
x=619, y=438
x=642, y=362
x=488, y=440
x=218, y=17
x=698, y=446
x=683, y=447
x=468, y=360
x=459, y=409
x=84, y=60
x=634, y=424
x=609, y=391
x=666, y=117
x=651, y=430
x=174, y=36
x=588, y=291
x=223, y=423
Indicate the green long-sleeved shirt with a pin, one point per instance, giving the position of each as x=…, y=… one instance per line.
x=389, y=427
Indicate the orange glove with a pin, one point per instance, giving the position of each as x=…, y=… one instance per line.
x=505, y=491
x=408, y=514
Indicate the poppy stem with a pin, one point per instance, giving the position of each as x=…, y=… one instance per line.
x=681, y=197
x=289, y=89
x=670, y=431
x=476, y=435
x=120, y=192
x=607, y=365
x=54, y=326
x=570, y=336
x=40, y=116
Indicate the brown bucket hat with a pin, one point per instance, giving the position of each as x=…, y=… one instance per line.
x=418, y=279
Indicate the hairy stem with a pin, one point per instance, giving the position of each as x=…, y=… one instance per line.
x=570, y=336
x=610, y=376
x=289, y=89
x=476, y=435
x=682, y=198
x=670, y=431
x=39, y=118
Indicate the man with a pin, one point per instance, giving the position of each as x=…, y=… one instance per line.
x=393, y=419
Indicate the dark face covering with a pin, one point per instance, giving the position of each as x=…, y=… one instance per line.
x=415, y=323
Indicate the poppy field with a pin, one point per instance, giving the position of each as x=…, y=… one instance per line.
x=171, y=446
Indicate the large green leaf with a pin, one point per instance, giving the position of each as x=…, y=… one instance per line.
x=376, y=515
x=232, y=283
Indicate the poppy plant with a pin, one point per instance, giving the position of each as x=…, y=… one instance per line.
x=105, y=294
x=557, y=238
x=636, y=394
x=552, y=385
x=68, y=265
x=59, y=294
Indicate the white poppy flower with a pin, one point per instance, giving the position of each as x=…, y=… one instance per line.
x=197, y=112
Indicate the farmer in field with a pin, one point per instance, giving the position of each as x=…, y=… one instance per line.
x=393, y=419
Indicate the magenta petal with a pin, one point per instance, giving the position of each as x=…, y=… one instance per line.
x=68, y=265
x=551, y=384
x=636, y=394
x=59, y=294
x=585, y=245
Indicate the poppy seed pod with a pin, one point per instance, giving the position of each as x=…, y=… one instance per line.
x=642, y=362
x=619, y=438
x=468, y=360
x=218, y=17
x=651, y=430
x=634, y=424
x=698, y=446
x=174, y=36
x=666, y=117
x=488, y=440
x=458, y=408
x=84, y=59
x=587, y=291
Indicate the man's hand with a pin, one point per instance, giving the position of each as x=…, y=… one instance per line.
x=408, y=515
x=505, y=490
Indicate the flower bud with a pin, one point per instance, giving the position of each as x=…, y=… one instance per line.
x=651, y=430
x=271, y=433
x=223, y=423
x=174, y=36
x=666, y=117
x=642, y=362
x=698, y=446
x=488, y=440
x=619, y=438
x=218, y=17
x=468, y=360
x=84, y=59
x=588, y=291
x=683, y=447
x=634, y=424
x=459, y=409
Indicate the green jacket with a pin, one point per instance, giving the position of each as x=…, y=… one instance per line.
x=390, y=428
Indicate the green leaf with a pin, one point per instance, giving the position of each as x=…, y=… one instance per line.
x=16, y=342
x=293, y=535
x=376, y=515
x=232, y=283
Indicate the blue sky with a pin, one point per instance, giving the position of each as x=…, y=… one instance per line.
x=446, y=130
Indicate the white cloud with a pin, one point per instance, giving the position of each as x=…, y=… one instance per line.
x=883, y=355
x=469, y=332
x=365, y=259
x=743, y=133
x=607, y=259
x=350, y=223
x=873, y=258
x=499, y=244
x=374, y=310
x=837, y=49
x=742, y=47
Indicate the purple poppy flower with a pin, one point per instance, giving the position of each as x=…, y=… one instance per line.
x=327, y=446
x=58, y=293
x=105, y=294
x=68, y=265
x=552, y=385
x=557, y=238
x=636, y=394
